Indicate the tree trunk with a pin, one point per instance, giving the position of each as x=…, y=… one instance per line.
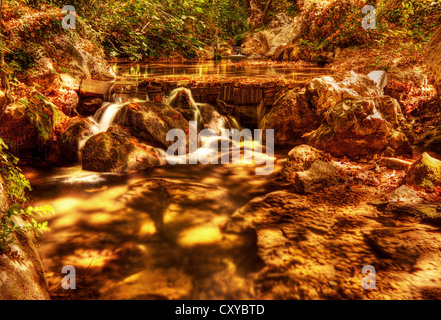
x=255, y=18
x=265, y=12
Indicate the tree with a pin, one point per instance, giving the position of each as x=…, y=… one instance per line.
x=265, y=12
x=4, y=84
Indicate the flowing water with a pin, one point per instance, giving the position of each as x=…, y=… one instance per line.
x=121, y=252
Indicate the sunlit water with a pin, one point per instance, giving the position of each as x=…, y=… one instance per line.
x=225, y=68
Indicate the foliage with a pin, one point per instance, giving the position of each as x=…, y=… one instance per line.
x=16, y=185
x=9, y=225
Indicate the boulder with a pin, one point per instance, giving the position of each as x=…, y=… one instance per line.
x=95, y=89
x=319, y=176
x=297, y=113
x=323, y=93
x=65, y=149
x=355, y=128
x=266, y=42
x=117, y=151
x=21, y=271
x=431, y=139
x=89, y=106
x=433, y=60
x=211, y=119
x=425, y=173
x=27, y=124
x=150, y=121
x=290, y=118
x=300, y=158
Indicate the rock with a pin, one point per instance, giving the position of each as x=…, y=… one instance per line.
x=211, y=119
x=319, y=176
x=355, y=128
x=433, y=60
x=84, y=64
x=95, y=89
x=266, y=42
x=69, y=82
x=21, y=271
x=323, y=93
x=290, y=117
x=208, y=53
x=117, y=151
x=379, y=77
x=43, y=73
x=28, y=124
x=279, y=20
x=225, y=49
x=89, y=106
x=67, y=101
x=256, y=56
x=394, y=163
x=3, y=101
x=300, y=158
x=150, y=121
x=278, y=220
x=404, y=82
x=425, y=173
x=65, y=150
x=431, y=139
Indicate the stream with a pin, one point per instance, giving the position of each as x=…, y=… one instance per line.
x=121, y=251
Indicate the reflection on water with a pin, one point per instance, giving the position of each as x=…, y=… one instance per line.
x=116, y=248
x=217, y=69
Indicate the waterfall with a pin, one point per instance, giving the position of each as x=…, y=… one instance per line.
x=172, y=100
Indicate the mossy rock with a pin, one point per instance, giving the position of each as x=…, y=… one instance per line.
x=425, y=173
x=117, y=151
x=29, y=123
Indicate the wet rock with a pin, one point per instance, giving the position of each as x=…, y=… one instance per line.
x=95, y=89
x=117, y=151
x=433, y=60
x=65, y=149
x=319, y=176
x=211, y=119
x=89, y=106
x=355, y=128
x=300, y=158
x=425, y=173
x=150, y=121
